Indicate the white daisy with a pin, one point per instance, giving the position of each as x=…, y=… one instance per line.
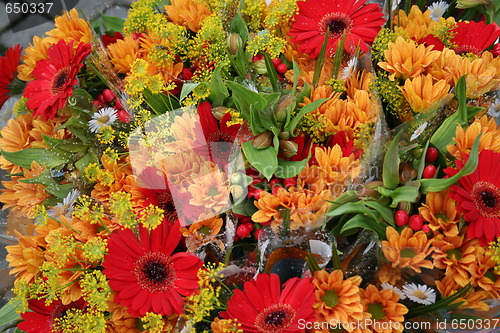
x=419, y=293
x=387, y=286
x=494, y=109
x=101, y=118
x=420, y=129
x=349, y=69
x=437, y=9
x=66, y=206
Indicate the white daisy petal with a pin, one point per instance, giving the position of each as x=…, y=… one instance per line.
x=101, y=118
x=437, y=9
x=387, y=286
x=421, y=294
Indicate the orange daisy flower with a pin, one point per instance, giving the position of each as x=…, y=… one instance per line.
x=464, y=138
x=472, y=300
x=417, y=24
x=24, y=196
x=337, y=299
x=209, y=189
x=383, y=306
x=26, y=132
x=440, y=211
x=187, y=13
x=69, y=27
x=123, y=53
x=389, y=274
x=26, y=257
x=225, y=325
x=408, y=249
x=422, y=92
x=34, y=53
x=404, y=59
x=203, y=232
x=307, y=208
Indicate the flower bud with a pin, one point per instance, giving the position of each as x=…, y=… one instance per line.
x=234, y=43
x=283, y=108
x=288, y=148
x=370, y=189
x=406, y=172
x=219, y=111
x=284, y=135
x=463, y=4
x=260, y=66
x=263, y=140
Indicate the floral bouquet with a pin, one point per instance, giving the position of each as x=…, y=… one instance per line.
x=256, y=166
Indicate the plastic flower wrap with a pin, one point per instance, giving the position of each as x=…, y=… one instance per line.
x=251, y=166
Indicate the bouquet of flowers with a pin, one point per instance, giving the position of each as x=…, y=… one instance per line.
x=256, y=166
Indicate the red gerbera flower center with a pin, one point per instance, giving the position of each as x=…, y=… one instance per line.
x=337, y=23
x=486, y=197
x=155, y=272
x=275, y=318
x=60, y=80
x=166, y=202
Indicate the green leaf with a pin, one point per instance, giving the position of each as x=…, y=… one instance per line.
x=365, y=222
x=321, y=59
x=272, y=74
x=112, y=23
x=25, y=157
x=311, y=263
x=51, y=185
x=78, y=128
x=8, y=314
x=386, y=213
x=218, y=90
x=160, y=103
x=244, y=98
x=288, y=169
x=305, y=92
x=421, y=164
x=239, y=26
x=306, y=109
x=401, y=194
x=390, y=171
x=436, y=185
x=445, y=133
x=264, y=160
x=87, y=159
x=56, y=146
x=80, y=100
x=245, y=207
x=187, y=88
x=354, y=207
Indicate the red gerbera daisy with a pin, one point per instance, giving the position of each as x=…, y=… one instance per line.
x=145, y=274
x=361, y=22
x=263, y=307
x=8, y=69
x=42, y=318
x=478, y=197
x=474, y=37
x=55, y=78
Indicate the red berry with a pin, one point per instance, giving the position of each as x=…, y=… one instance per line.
x=426, y=228
x=108, y=95
x=281, y=68
x=275, y=189
x=290, y=182
x=258, y=232
x=274, y=181
x=118, y=103
x=249, y=226
x=257, y=57
x=401, y=217
x=431, y=155
x=416, y=222
x=429, y=171
x=276, y=62
x=123, y=116
x=242, y=231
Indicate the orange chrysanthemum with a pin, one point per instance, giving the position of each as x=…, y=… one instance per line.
x=464, y=138
x=34, y=53
x=472, y=300
x=187, y=13
x=337, y=299
x=443, y=67
x=417, y=24
x=389, y=274
x=203, y=232
x=120, y=321
x=383, y=306
x=210, y=190
x=407, y=250
x=69, y=27
x=447, y=251
x=225, y=325
x=24, y=196
x=440, y=211
x=123, y=53
x=359, y=80
x=26, y=132
x=307, y=208
x=26, y=257
x=422, y=92
x=332, y=172
x=405, y=59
